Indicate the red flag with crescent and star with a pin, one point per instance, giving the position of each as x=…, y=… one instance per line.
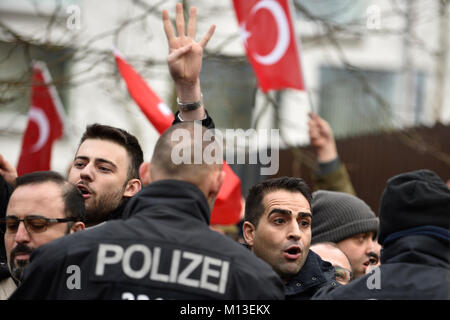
x=45, y=123
x=269, y=40
x=228, y=206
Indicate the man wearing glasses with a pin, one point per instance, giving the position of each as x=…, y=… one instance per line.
x=330, y=252
x=42, y=207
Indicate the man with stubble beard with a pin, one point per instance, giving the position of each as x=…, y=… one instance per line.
x=277, y=229
x=106, y=171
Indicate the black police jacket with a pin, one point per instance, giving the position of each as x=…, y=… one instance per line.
x=413, y=267
x=164, y=250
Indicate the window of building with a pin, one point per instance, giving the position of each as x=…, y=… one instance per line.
x=367, y=101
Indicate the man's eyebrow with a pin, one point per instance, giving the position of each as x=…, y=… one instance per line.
x=288, y=212
x=101, y=160
x=373, y=255
x=81, y=158
x=281, y=211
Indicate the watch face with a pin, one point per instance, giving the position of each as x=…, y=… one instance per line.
x=189, y=106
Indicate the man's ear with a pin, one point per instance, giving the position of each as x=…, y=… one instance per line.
x=133, y=187
x=77, y=226
x=144, y=173
x=248, y=230
x=217, y=183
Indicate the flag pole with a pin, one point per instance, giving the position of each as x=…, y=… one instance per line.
x=298, y=43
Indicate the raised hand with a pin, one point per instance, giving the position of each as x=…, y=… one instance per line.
x=8, y=172
x=322, y=138
x=185, y=54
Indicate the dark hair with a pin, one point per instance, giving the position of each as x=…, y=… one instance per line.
x=73, y=200
x=254, y=207
x=121, y=137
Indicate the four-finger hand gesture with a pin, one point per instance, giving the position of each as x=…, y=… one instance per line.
x=185, y=54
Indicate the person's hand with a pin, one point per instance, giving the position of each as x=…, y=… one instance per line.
x=185, y=54
x=8, y=172
x=322, y=139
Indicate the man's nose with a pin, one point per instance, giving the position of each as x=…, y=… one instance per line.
x=294, y=231
x=87, y=173
x=22, y=235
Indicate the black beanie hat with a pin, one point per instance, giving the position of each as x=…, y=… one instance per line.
x=338, y=216
x=414, y=199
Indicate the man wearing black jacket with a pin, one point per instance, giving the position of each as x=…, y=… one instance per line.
x=277, y=228
x=5, y=276
x=164, y=250
x=415, y=235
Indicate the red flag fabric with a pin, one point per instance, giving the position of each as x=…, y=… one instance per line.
x=156, y=111
x=228, y=206
x=269, y=39
x=45, y=123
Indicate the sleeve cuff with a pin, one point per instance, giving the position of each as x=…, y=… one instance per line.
x=207, y=122
x=328, y=167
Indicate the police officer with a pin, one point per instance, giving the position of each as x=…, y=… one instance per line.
x=165, y=249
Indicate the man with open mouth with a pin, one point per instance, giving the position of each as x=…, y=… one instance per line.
x=277, y=229
x=106, y=171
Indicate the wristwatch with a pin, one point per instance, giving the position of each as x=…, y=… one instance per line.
x=190, y=106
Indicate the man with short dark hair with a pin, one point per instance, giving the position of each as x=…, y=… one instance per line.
x=42, y=207
x=106, y=171
x=277, y=228
x=165, y=248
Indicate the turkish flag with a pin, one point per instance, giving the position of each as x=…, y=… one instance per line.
x=227, y=208
x=45, y=123
x=156, y=111
x=269, y=39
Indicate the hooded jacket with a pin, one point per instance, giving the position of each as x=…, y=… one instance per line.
x=412, y=267
x=164, y=250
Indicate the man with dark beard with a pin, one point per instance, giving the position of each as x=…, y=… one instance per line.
x=49, y=207
x=106, y=171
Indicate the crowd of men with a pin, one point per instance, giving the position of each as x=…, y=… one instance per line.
x=122, y=228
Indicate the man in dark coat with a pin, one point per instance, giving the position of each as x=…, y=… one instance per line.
x=277, y=229
x=165, y=249
x=5, y=193
x=414, y=233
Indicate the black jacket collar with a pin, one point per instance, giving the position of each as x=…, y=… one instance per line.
x=418, y=249
x=314, y=273
x=118, y=212
x=175, y=195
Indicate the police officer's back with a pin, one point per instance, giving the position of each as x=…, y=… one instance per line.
x=165, y=249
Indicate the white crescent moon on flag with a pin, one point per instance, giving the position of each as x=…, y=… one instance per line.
x=283, y=32
x=38, y=116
